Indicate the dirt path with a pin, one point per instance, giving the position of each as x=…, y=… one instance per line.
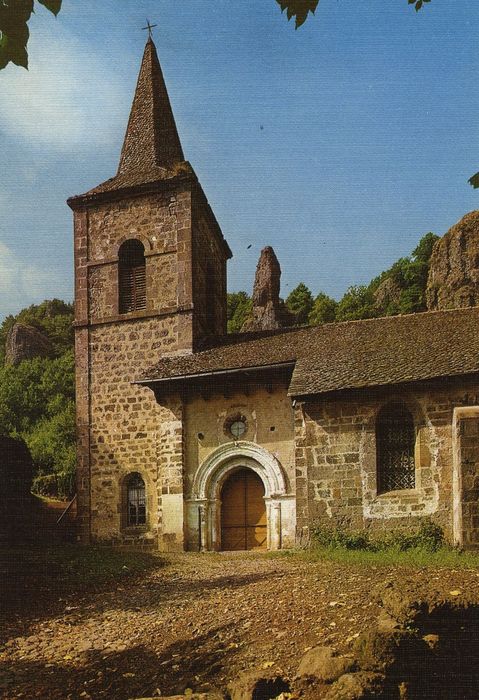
x=196, y=622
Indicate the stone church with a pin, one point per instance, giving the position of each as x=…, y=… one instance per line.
x=189, y=438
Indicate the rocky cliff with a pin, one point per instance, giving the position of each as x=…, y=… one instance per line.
x=453, y=279
x=25, y=342
x=268, y=311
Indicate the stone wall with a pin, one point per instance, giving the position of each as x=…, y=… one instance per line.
x=336, y=460
x=209, y=283
x=162, y=222
x=269, y=420
x=126, y=422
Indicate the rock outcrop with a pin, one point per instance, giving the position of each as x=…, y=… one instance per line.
x=323, y=663
x=388, y=292
x=25, y=342
x=453, y=280
x=268, y=311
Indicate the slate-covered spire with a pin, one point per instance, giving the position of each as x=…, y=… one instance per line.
x=151, y=138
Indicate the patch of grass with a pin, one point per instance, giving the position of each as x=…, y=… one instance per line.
x=426, y=536
x=423, y=546
x=415, y=557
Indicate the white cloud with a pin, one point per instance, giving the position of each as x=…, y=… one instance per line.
x=67, y=99
x=23, y=283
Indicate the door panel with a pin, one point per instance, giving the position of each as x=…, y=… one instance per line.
x=243, y=512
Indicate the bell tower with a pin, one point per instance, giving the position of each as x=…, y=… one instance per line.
x=150, y=280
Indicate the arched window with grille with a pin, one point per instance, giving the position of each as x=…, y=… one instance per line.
x=135, y=501
x=131, y=276
x=395, y=440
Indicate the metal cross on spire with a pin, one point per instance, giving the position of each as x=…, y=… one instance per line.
x=149, y=27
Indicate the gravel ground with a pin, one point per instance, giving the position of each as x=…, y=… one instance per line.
x=195, y=622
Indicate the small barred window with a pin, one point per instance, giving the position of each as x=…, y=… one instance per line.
x=136, y=501
x=395, y=439
x=131, y=276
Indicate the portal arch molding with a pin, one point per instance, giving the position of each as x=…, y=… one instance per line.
x=204, y=505
x=231, y=455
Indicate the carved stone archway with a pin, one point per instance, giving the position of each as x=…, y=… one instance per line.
x=205, y=504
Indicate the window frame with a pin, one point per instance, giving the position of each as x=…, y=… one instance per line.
x=396, y=458
x=139, y=522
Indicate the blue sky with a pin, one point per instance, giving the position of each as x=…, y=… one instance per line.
x=339, y=144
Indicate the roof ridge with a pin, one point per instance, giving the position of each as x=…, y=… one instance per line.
x=426, y=312
x=258, y=335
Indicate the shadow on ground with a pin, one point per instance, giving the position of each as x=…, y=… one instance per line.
x=135, y=672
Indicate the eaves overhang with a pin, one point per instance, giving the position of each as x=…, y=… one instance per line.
x=234, y=371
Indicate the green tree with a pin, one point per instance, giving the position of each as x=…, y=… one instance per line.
x=37, y=397
x=423, y=251
x=410, y=277
x=52, y=442
x=238, y=305
x=300, y=303
x=324, y=310
x=358, y=302
x=34, y=389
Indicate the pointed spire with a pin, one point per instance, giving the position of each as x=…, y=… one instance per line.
x=151, y=138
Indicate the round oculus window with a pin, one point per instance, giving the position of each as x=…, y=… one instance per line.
x=238, y=428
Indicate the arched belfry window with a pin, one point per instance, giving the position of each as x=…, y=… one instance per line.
x=395, y=439
x=131, y=276
x=135, y=500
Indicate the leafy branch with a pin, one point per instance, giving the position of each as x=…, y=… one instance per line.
x=14, y=33
x=300, y=9
x=474, y=181
x=417, y=3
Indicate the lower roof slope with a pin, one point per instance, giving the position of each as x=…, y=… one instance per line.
x=347, y=355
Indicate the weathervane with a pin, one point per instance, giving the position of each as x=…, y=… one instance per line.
x=149, y=27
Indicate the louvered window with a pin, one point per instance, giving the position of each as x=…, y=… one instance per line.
x=132, y=277
x=395, y=439
x=136, y=501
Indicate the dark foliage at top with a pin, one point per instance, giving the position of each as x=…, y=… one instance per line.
x=15, y=15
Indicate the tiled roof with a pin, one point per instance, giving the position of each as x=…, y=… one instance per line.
x=135, y=179
x=151, y=149
x=348, y=355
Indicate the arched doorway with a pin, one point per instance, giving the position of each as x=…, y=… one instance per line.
x=204, y=507
x=243, y=512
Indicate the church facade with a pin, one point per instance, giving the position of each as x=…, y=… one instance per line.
x=189, y=438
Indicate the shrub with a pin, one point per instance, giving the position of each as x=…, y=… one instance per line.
x=427, y=535
x=45, y=485
x=338, y=537
x=60, y=485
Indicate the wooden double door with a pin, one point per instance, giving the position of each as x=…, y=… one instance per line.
x=243, y=512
